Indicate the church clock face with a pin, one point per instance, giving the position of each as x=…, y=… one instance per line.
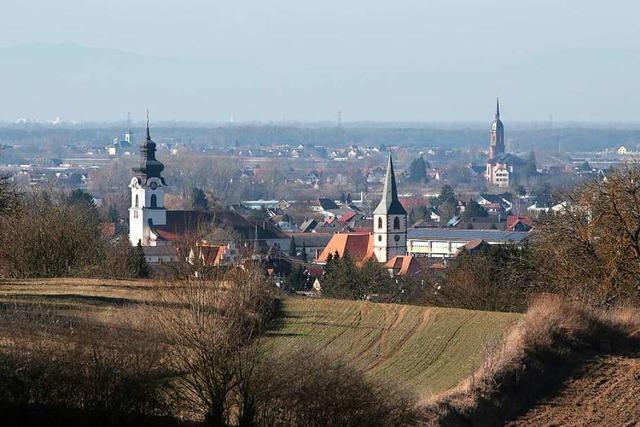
x=153, y=186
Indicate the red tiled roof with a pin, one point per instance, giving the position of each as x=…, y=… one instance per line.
x=414, y=202
x=211, y=254
x=358, y=245
x=512, y=220
x=473, y=244
x=347, y=217
x=404, y=265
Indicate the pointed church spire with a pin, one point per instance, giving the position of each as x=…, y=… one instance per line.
x=390, y=203
x=497, y=108
x=148, y=136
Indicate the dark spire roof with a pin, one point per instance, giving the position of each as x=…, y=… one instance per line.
x=390, y=205
x=497, y=125
x=150, y=167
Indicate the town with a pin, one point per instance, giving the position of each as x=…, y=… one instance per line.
x=305, y=202
x=362, y=213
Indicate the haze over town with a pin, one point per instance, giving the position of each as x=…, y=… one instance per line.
x=401, y=61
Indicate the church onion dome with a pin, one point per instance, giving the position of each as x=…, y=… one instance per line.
x=390, y=204
x=150, y=167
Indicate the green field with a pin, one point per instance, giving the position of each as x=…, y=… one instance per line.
x=424, y=350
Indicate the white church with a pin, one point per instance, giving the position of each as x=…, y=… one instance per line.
x=158, y=229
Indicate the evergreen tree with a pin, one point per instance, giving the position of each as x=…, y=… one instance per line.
x=349, y=199
x=296, y=280
x=199, y=199
x=303, y=254
x=82, y=198
x=474, y=210
x=343, y=279
x=412, y=216
x=112, y=215
x=446, y=194
x=293, y=249
x=585, y=167
x=446, y=203
x=421, y=212
x=543, y=194
x=530, y=167
x=418, y=170
x=139, y=263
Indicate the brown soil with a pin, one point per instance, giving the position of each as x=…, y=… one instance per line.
x=604, y=392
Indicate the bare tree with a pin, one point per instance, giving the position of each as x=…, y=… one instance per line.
x=211, y=326
x=50, y=237
x=591, y=249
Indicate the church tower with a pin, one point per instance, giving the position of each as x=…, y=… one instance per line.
x=147, y=195
x=127, y=136
x=496, y=145
x=389, y=221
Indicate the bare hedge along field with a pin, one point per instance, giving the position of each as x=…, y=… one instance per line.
x=423, y=350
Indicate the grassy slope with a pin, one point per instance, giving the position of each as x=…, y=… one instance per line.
x=423, y=349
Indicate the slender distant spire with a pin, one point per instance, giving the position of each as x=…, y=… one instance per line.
x=390, y=203
x=148, y=136
x=497, y=108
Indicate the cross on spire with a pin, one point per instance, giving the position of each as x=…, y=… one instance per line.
x=148, y=136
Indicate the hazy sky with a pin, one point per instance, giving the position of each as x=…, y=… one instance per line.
x=414, y=60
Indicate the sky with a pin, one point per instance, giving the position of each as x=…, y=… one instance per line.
x=273, y=60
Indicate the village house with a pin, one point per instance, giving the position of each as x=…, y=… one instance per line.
x=160, y=230
x=389, y=237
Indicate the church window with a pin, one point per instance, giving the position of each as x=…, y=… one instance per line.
x=396, y=237
x=396, y=223
x=135, y=214
x=137, y=201
x=154, y=201
x=379, y=222
x=379, y=238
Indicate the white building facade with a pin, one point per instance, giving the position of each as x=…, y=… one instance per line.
x=147, y=197
x=389, y=221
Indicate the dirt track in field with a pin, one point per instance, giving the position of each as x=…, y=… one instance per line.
x=605, y=392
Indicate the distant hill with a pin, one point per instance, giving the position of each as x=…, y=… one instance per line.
x=87, y=83
x=49, y=80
